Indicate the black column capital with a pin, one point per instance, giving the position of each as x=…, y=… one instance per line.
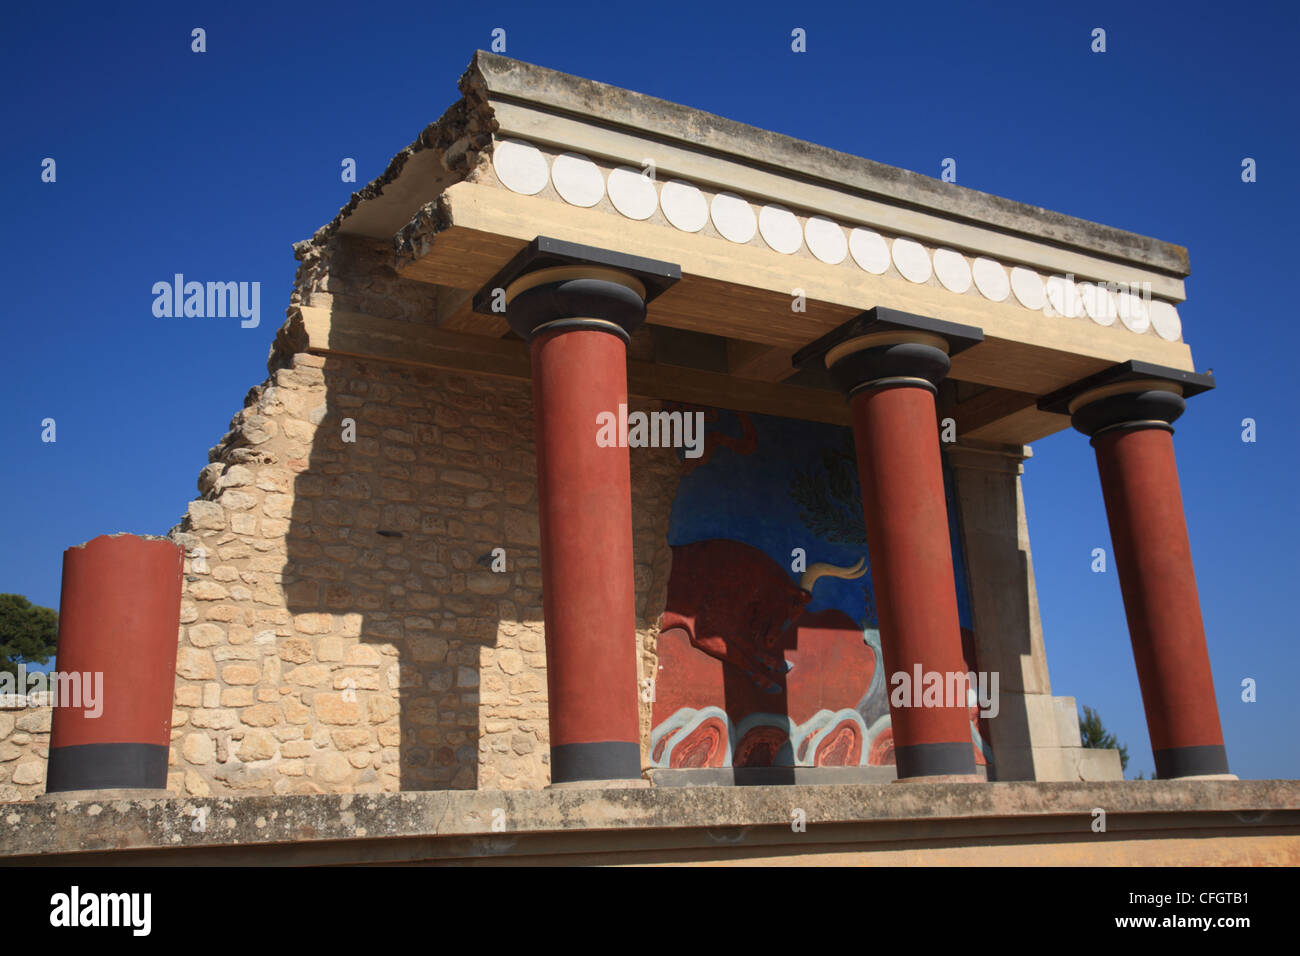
x=1130, y=395
x=551, y=284
x=885, y=348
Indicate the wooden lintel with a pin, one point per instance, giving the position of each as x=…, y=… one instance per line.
x=406, y=343
x=758, y=362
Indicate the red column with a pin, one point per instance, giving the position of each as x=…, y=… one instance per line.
x=1128, y=411
x=118, y=615
x=589, y=597
x=890, y=364
x=896, y=435
x=577, y=305
x=1144, y=506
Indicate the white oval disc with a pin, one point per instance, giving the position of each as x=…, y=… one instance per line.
x=825, y=240
x=577, y=179
x=991, y=279
x=780, y=229
x=733, y=217
x=1164, y=319
x=869, y=250
x=520, y=166
x=951, y=269
x=632, y=194
x=684, y=205
x=1028, y=287
x=912, y=260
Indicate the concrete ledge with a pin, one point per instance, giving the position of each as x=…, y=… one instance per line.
x=1165, y=822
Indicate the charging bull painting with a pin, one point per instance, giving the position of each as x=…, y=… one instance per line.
x=769, y=648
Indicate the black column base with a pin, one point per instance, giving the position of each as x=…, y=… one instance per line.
x=1191, y=761
x=107, y=767
x=935, y=760
x=604, y=760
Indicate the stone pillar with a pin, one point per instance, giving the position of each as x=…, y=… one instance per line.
x=890, y=363
x=119, y=611
x=1128, y=412
x=1035, y=736
x=576, y=306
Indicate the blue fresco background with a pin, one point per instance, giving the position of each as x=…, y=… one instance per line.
x=747, y=498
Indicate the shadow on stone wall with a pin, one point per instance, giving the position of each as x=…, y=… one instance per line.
x=414, y=479
x=422, y=659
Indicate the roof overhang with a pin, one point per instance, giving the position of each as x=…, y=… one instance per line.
x=802, y=240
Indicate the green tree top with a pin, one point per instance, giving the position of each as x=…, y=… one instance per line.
x=28, y=632
x=1093, y=734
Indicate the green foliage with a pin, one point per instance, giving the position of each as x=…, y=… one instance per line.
x=1093, y=734
x=28, y=633
x=828, y=500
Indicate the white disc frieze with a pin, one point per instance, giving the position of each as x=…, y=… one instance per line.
x=1132, y=312
x=869, y=250
x=521, y=167
x=780, y=229
x=911, y=260
x=991, y=279
x=825, y=240
x=684, y=205
x=1064, y=297
x=1164, y=319
x=1028, y=287
x=577, y=179
x=951, y=269
x=733, y=217
x=632, y=193
x=1098, y=303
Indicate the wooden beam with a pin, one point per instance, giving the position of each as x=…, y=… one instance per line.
x=456, y=314
x=407, y=343
x=758, y=362
x=1020, y=427
x=986, y=407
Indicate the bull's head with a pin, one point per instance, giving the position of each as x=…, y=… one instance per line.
x=737, y=604
x=779, y=636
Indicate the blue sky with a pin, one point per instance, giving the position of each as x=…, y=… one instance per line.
x=213, y=164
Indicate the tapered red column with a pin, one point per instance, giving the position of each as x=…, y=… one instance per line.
x=890, y=364
x=1130, y=423
x=585, y=511
x=576, y=307
x=116, y=665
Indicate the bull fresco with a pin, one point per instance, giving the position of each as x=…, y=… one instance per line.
x=769, y=655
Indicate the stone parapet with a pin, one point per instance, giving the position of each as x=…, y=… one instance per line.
x=1152, y=822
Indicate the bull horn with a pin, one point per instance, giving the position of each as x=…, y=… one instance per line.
x=822, y=570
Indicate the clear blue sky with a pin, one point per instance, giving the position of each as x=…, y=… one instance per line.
x=213, y=164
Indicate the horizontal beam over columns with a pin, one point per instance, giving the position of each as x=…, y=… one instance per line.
x=404, y=343
x=745, y=291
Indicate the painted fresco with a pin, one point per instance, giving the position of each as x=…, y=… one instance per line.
x=764, y=660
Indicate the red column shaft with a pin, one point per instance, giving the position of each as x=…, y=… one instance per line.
x=1144, y=506
x=118, y=615
x=895, y=432
x=585, y=511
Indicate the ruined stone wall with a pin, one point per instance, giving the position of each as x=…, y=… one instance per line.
x=24, y=746
x=342, y=627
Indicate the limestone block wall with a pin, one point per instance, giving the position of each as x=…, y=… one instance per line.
x=24, y=746
x=342, y=626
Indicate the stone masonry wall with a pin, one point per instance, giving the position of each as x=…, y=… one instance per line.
x=24, y=747
x=342, y=627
